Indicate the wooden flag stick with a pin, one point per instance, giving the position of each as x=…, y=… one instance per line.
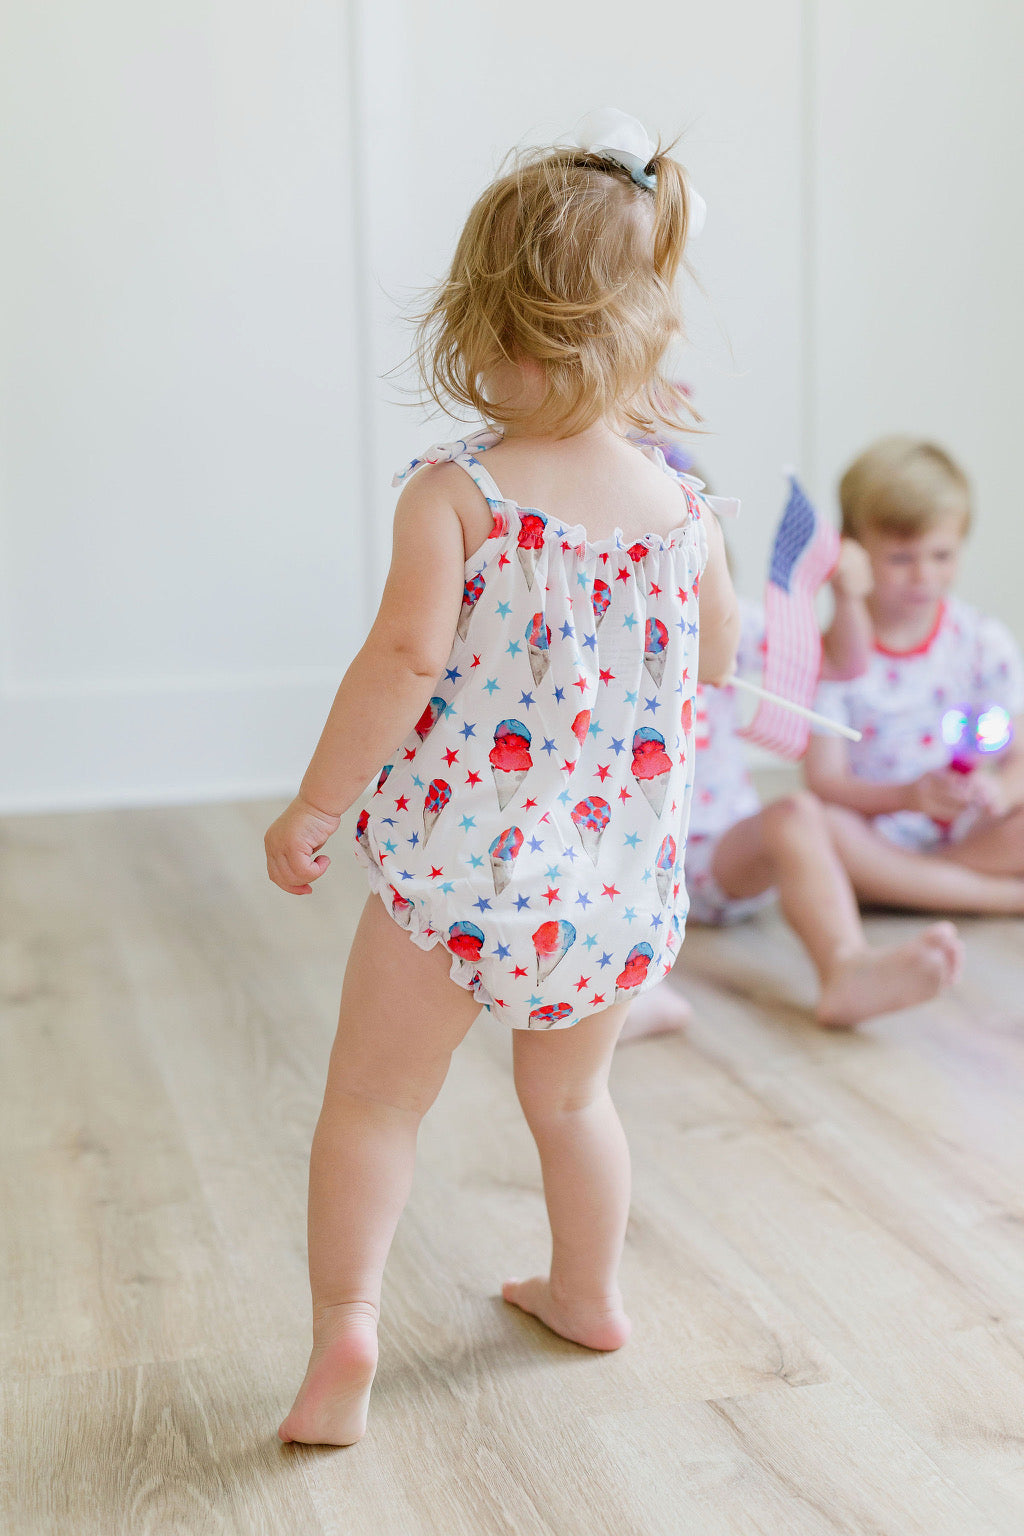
x=797, y=709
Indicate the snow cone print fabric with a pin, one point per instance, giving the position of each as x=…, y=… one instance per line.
x=534, y=822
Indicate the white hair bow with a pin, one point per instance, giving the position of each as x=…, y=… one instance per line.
x=614, y=135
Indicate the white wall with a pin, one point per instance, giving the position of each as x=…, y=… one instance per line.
x=182, y=543
x=218, y=212
x=919, y=226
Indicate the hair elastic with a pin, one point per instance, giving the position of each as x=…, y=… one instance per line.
x=614, y=135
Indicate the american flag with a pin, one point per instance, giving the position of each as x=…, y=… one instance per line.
x=803, y=556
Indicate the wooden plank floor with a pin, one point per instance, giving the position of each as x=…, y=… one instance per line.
x=825, y=1262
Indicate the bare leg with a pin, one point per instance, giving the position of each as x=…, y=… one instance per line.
x=562, y=1082
x=660, y=1011
x=890, y=876
x=401, y=1017
x=994, y=848
x=789, y=845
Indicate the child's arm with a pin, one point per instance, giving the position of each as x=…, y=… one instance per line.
x=1001, y=785
x=943, y=795
x=719, y=612
x=848, y=640
x=388, y=685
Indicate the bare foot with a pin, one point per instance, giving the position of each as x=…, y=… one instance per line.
x=661, y=1011
x=330, y=1408
x=884, y=980
x=598, y=1325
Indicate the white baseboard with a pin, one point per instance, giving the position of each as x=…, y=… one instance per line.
x=168, y=744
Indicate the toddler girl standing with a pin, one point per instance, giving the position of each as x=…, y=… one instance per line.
x=528, y=685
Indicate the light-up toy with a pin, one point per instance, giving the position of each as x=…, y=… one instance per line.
x=973, y=735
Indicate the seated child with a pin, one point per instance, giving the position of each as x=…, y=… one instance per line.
x=911, y=831
x=740, y=855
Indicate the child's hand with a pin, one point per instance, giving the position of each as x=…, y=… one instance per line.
x=292, y=844
x=852, y=576
x=943, y=795
x=989, y=792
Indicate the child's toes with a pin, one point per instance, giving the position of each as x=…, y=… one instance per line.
x=946, y=941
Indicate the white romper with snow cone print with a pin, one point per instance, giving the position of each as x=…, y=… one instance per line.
x=534, y=822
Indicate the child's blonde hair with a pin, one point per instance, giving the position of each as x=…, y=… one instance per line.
x=567, y=261
x=904, y=486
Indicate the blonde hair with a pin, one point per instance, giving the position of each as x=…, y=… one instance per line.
x=564, y=260
x=904, y=486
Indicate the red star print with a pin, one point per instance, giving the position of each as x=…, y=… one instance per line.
x=551, y=895
x=604, y=557
x=435, y=874
x=410, y=753
x=603, y=773
x=499, y=1002
x=450, y=757
x=503, y=561
x=402, y=803
x=519, y=971
x=568, y=767
x=606, y=676
x=682, y=596
x=565, y=544
x=686, y=674
x=598, y=997
x=623, y=574
x=472, y=778
x=529, y=805
x=609, y=890
x=545, y=816
x=584, y=981
x=695, y=589
x=624, y=795
x=475, y=662
x=655, y=590
x=581, y=684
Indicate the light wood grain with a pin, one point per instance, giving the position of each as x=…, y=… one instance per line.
x=825, y=1258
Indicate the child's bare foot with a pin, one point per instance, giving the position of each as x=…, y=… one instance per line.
x=330, y=1408
x=661, y=1011
x=598, y=1325
x=882, y=981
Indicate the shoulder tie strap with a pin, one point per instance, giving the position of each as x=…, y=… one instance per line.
x=722, y=506
x=462, y=453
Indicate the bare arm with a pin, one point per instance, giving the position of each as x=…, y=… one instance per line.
x=850, y=636
x=388, y=685
x=719, y=612
x=1001, y=786
x=943, y=794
